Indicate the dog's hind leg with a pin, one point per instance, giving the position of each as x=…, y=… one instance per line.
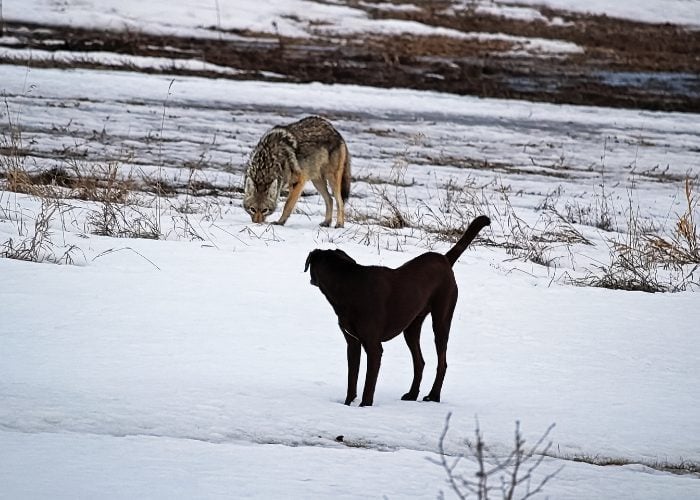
x=374, y=360
x=412, y=337
x=354, y=350
x=442, y=318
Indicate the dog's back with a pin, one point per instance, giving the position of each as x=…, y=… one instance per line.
x=395, y=296
x=416, y=281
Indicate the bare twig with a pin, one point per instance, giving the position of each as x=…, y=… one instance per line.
x=115, y=250
x=515, y=471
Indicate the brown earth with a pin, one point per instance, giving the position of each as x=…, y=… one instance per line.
x=623, y=63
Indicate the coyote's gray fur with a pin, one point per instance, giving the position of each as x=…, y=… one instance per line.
x=310, y=149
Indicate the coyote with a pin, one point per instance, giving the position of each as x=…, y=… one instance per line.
x=310, y=149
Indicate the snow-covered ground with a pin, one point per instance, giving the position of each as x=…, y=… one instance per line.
x=133, y=379
x=683, y=12
x=224, y=19
x=303, y=17
x=568, y=153
x=167, y=356
x=205, y=365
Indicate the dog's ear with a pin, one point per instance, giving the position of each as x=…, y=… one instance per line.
x=312, y=254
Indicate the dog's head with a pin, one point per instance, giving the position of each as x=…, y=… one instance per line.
x=319, y=258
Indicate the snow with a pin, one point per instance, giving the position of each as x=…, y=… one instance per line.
x=683, y=12
x=211, y=368
x=171, y=468
x=190, y=365
x=115, y=60
x=391, y=7
x=392, y=26
x=446, y=125
x=495, y=9
x=223, y=356
x=181, y=17
x=301, y=18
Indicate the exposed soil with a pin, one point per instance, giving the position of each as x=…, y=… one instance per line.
x=623, y=63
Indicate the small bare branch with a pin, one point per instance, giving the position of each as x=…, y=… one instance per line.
x=514, y=472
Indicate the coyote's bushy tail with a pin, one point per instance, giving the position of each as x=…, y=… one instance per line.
x=477, y=225
x=345, y=184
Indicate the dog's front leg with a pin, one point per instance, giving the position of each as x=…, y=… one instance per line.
x=374, y=360
x=354, y=350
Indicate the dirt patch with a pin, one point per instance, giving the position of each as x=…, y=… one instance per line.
x=621, y=63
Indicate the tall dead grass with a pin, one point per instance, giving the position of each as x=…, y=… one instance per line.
x=644, y=260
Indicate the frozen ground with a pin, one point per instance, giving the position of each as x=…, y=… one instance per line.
x=683, y=12
x=204, y=364
x=188, y=377
x=566, y=154
x=485, y=48
x=292, y=17
x=192, y=367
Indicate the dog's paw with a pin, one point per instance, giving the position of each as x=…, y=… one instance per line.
x=325, y=223
x=366, y=403
x=409, y=397
x=434, y=399
x=349, y=400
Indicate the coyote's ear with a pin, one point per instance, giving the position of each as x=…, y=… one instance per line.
x=249, y=187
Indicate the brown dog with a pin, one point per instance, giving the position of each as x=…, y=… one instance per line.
x=374, y=304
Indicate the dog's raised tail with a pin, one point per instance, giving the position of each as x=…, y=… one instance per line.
x=477, y=225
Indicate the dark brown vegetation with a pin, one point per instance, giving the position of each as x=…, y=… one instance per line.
x=622, y=63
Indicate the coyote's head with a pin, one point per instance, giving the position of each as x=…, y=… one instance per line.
x=268, y=171
x=260, y=200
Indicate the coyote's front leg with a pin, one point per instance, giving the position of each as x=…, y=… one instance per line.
x=295, y=189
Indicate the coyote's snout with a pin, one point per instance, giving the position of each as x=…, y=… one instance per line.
x=310, y=149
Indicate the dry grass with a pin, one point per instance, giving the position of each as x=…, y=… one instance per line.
x=101, y=183
x=123, y=203
x=640, y=259
x=35, y=239
x=683, y=247
x=13, y=158
x=457, y=206
x=645, y=261
x=681, y=466
x=123, y=221
x=135, y=207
